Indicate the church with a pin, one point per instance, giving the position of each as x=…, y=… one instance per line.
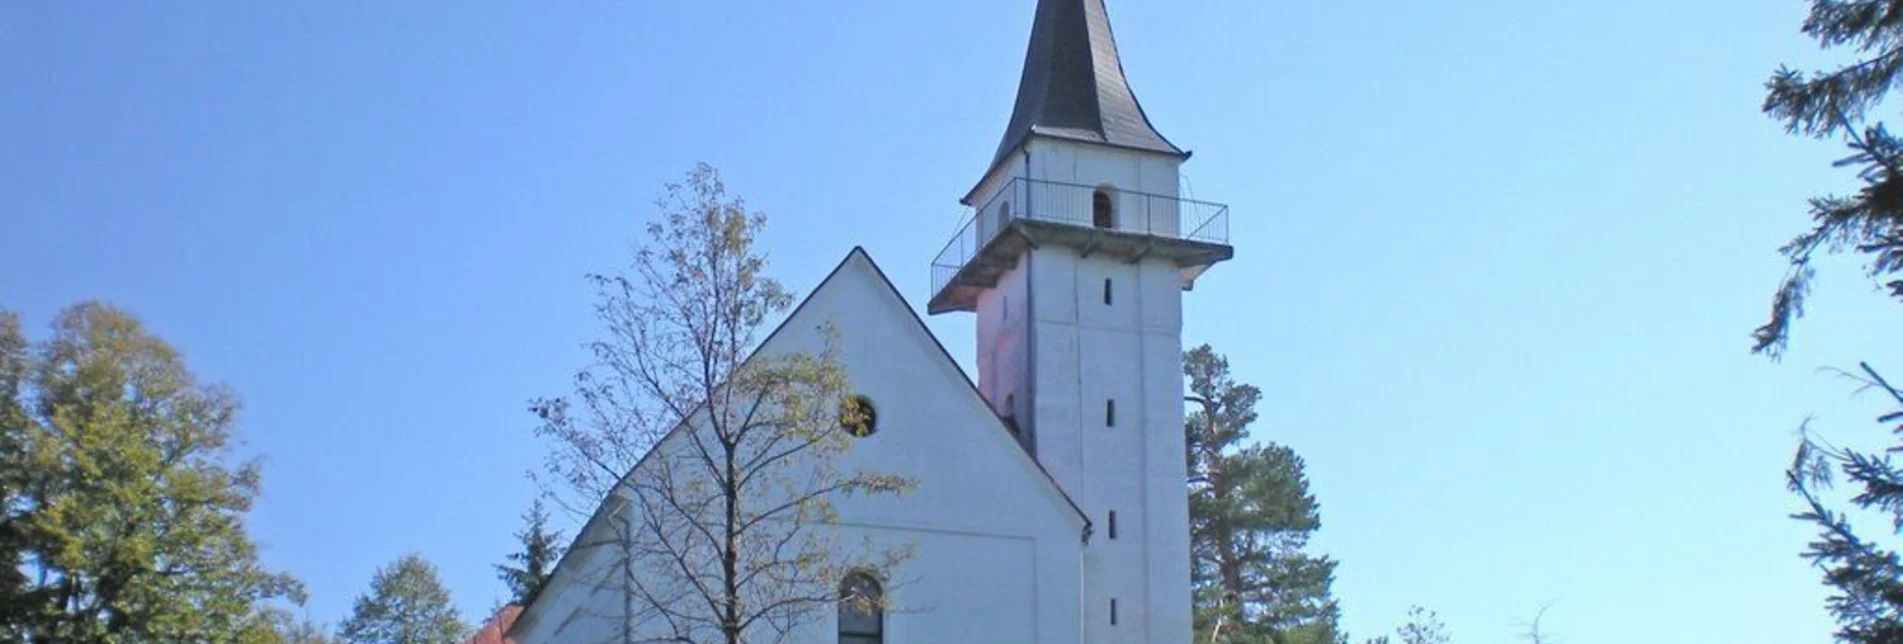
x=1049, y=502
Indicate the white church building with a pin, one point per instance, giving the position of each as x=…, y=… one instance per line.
x=1050, y=503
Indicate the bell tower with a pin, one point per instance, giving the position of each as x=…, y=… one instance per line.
x=1075, y=262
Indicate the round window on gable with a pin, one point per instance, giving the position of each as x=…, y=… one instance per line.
x=858, y=417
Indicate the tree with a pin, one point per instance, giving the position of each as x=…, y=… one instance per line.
x=17, y=594
x=1865, y=575
x=1535, y=632
x=1250, y=517
x=1423, y=627
x=406, y=604
x=292, y=630
x=722, y=531
x=1832, y=104
x=528, y=570
x=119, y=517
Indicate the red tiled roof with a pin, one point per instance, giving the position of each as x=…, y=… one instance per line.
x=497, y=628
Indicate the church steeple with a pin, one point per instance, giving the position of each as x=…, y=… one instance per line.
x=1073, y=85
x=1075, y=259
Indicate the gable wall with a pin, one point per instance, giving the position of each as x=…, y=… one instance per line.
x=997, y=546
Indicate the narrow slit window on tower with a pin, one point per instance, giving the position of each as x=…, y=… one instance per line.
x=1113, y=524
x=1113, y=612
x=1106, y=290
x=1100, y=210
x=1110, y=413
x=1011, y=413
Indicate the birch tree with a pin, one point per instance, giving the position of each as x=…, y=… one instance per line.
x=721, y=465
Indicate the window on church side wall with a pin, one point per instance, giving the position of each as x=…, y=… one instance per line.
x=1113, y=612
x=1110, y=413
x=1101, y=210
x=1106, y=291
x=861, y=610
x=1113, y=524
x=858, y=417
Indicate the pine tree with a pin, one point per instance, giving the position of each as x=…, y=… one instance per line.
x=406, y=604
x=1250, y=517
x=528, y=570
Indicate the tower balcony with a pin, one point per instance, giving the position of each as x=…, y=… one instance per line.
x=1025, y=214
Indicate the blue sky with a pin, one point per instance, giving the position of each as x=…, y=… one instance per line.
x=1496, y=261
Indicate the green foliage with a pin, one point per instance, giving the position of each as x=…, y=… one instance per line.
x=119, y=519
x=528, y=570
x=1250, y=518
x=1836, y=103
x=406, y=604
x=291, y=630
x=725, y=533
x=1422, y=627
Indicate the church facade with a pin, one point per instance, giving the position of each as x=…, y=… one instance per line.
x=1050, y=501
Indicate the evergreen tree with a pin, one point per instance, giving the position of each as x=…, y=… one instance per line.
x=120, y=520
x=1867, y=576
x=1864, y=573
x=1833, y=104
x=406, y=604
x=1250, y=517
x=528, y=570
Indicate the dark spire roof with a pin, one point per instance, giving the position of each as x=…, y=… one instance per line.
x=1073, y=85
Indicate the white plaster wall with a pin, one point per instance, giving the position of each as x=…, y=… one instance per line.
x=996, y=199
x=1166, y=529
x=1086, y=352
x=1002, y=358
x=1134, y=173
x=997, y=545
x=1128, y=351
x=983, y=515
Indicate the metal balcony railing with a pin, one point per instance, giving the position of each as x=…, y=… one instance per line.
x=1128, y=212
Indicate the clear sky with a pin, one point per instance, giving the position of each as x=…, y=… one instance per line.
x=1496, y=261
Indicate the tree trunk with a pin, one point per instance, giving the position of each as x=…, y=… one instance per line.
x=730, y=553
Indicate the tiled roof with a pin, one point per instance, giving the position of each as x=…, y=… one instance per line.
x=496, y=629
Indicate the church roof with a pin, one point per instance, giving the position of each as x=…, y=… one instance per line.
x=1073, y=85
